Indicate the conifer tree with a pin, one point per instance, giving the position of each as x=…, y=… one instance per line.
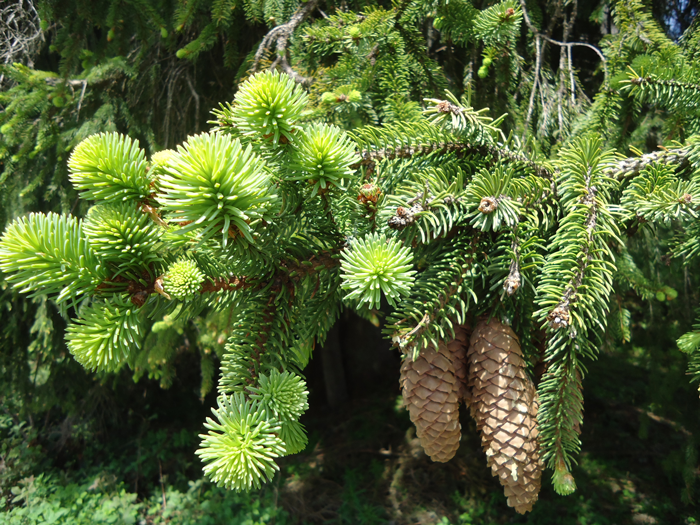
x=492, y=246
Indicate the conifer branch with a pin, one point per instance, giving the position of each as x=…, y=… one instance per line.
x=563, y=384
x=559, y=317
x=441, y=304
x=573, y=294
x=654, y=81
x=632, y=166
x=496, y=152
x=291, y=272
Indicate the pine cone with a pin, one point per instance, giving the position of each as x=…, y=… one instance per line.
x=504, y=405
x=458, y=350
x=432, y=387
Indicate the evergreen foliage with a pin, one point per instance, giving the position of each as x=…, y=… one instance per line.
x=429, y=212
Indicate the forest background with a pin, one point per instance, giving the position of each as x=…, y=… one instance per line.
x=119, y=448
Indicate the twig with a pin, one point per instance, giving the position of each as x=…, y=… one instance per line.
x=631, y=166
x=196, y=101
x=80, y=102
x=571, y=75
x=280, y=37
x=535, y=80
x=584, y=44
x=538, y=63
x=162, y=486
x=170, y=83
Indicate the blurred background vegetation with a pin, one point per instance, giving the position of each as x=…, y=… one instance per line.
x=119, y=448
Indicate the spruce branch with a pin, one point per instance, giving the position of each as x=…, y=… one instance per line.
x=218, y=187
x=110, y=167
x=377, y=266
x=632, y=166
x=291, y=272
x=50, y=254
x=668, y=91
x=560, y=316
x=240, y=448
x=496, y=152
x=106, y=334
x=433, y=200
x=441, y=296
x=561, y=394
x=574, y=292
x=658, y=195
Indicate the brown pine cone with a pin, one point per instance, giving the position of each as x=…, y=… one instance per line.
x=432, y=387
x=504, y=405
x=458, y=350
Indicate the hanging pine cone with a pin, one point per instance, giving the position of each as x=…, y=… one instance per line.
x=458, y=351
x=432, y=387
x=504, y=405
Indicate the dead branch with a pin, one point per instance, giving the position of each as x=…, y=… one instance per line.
x=279, y=36
x=20, y=32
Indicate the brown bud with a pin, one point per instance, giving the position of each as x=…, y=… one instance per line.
x=488, y=205
x=512, y=283
x=559, y=317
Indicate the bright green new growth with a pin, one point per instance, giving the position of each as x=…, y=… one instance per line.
x=106, y=334
x=121, y=234
x=50, y=254
x=374, y=265
x=109, y=167
x=159, y=162
x=183, y=280
x=294, y=436
x=322, y=156
x=241, y=446
x=218, y=187
x=500, y=23
x=269, y=104
x=282, y=395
